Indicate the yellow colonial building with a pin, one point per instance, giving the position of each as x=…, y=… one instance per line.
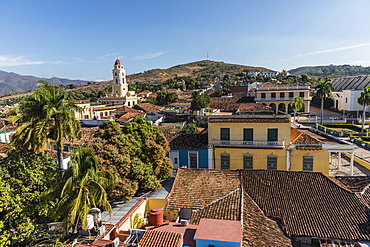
x=278, y=97
x=267, y=141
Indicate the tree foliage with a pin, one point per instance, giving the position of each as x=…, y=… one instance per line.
x=82, y=187
x=364, y=100
x=136, y=153
x=24, y=175
x=323, y=91
x=45, y=116
x=296, y=104
x=190, y=128
x=200, y=101
x=166, y=97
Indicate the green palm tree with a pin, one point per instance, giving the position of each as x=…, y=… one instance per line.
x=82, y=187
x=364, y=100
x=46, y=116
x=323, y=91
x=296, y=104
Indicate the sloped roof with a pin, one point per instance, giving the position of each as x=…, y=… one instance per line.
x=196, y=188
x=160, y=238
x=189, y=141
x=258, y=230
x=224, y=208
x=125, y=108
x=253, y=107
x=129, y=115
x=308, y=204
x=304, y=140
x=351, y=82
x=148, y=107
x=354, y=183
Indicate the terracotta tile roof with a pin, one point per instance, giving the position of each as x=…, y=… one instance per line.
x=188, y=232
x=189, y=141
x=258, y=230
x=129, y=115
x=253, y=107
x=354, y=183
x=224, y=103
x=224, y=208
x=147, y=107
x=308, y=204
x=196, y=188
x=124, y=109
x=304, y=140
x=219, y=230
x=159, y=239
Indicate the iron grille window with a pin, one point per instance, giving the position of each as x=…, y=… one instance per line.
x=301, y=94
x=272, y=162
x=225, y=161
x=263, y=95
x=248, y=161
x=273, y=95
x=225, y=134
x=282, y=95
x=308, y=163
x=291, y=94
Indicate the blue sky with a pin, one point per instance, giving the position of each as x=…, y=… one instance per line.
x=79, y=39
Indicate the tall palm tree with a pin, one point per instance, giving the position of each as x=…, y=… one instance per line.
x=46, y=116
x=82, y=187
x=364, y=100
x=324, y=89
x=296, y=104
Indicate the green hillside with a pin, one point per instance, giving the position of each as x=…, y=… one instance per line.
x=332, y=70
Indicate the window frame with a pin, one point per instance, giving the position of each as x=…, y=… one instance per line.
x=248, y=156
x=272, y=162
x=225, y=155
x=189, y=159
x=304, y=163
x=223, y=135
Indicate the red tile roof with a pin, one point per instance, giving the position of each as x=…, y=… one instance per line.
x=219, y=230
x=354, y=183
x=196, y=188
x=188, y=232
x=224, y=208
x=253, y=107
x=159, y=239
x=258, y=230
x=308, y=204
x=148, y=107
x=189, y=141
x=129, y=115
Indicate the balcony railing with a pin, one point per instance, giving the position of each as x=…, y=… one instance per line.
x=281, y=99
x=249, y=144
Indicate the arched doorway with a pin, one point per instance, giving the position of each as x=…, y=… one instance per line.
x=282, y=107
x=273, y=106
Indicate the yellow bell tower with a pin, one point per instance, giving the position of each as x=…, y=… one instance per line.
x=119, y=84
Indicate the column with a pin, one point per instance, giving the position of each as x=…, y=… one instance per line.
x=351, y=165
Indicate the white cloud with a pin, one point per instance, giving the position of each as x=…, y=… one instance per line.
x=17, y=61
x=333, y=50
x=110, y=55
x=150, y=55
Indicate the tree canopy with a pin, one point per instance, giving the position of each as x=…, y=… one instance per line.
x=200, y=101
x=136, y=153
x=166, y=97
x=45, y=116
x=82, y=187
x=24, y=175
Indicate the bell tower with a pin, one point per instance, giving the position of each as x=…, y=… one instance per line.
x=119, y=84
